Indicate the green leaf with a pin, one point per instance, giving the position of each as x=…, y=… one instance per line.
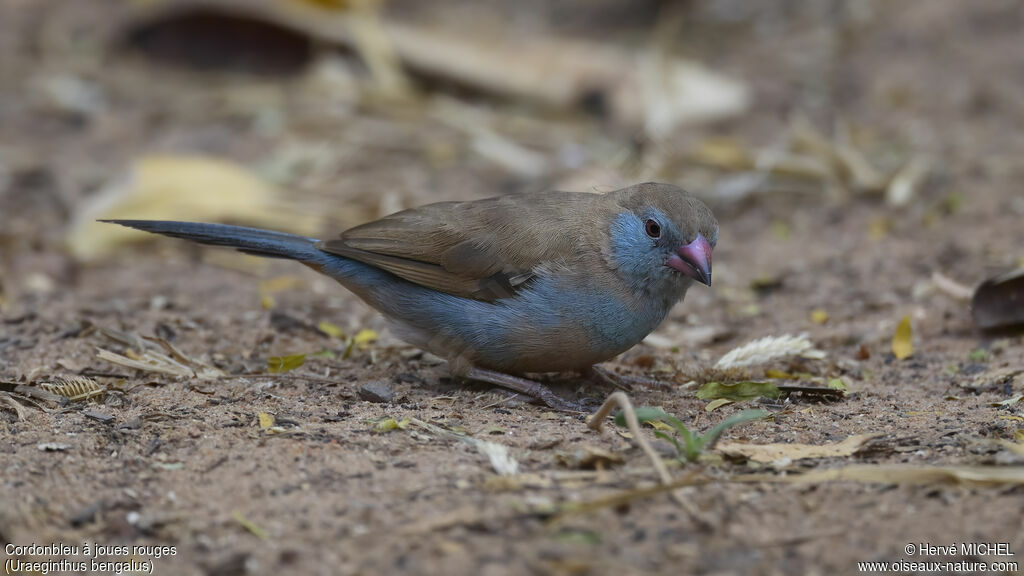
x=738, y=391
x=712, y=435
x=278, y=364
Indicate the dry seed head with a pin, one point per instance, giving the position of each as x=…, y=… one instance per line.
x=767, y=349
x=74, y=388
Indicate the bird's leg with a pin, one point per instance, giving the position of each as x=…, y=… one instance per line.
x=523, y=386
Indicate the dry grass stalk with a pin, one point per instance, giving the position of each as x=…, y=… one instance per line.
x=596, y=421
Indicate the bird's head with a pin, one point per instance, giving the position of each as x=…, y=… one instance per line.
x=661, y=238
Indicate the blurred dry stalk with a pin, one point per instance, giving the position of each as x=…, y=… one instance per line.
x=649, y=90
x=805, y=159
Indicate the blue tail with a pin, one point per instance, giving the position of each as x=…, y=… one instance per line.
x=249, y=240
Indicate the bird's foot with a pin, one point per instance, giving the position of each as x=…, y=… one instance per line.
x=601, y=375
x=524, y=386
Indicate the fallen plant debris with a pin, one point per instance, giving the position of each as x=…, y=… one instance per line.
x=74, y=388
x=903, y=340
x=903, y=474
x=785, y=452
x=998, y=302
x=500, y=457
x=738, y=391
x=178, y=188
x=143, y=354
x=766, y=349
x=279, y=364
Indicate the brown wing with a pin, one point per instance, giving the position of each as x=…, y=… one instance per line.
x=484, y=249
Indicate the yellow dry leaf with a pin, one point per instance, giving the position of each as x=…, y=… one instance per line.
x=819, y=316
x=278, y=364
x=330, y=329
x=389, y=424
x=902, y=340
x=266, y=420
x=659, y=425
x=167, y=187
x=767, y=453
x=365, y=337
x=267, y=302
x=717, y=403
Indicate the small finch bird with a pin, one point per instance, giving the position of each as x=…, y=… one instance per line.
x=542, y=282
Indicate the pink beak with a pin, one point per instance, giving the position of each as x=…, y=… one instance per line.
x=694, y=260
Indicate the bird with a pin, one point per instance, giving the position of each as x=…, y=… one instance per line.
x=502, y=287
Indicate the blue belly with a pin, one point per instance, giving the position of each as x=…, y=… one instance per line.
x=555, y=324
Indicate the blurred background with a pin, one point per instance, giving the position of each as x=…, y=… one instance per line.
x=314, y=115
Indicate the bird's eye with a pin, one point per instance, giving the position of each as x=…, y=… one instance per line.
x=652, y=228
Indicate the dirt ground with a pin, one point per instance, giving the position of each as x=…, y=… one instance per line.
x=185, y=462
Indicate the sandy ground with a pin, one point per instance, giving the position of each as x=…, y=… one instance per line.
x=184, y=462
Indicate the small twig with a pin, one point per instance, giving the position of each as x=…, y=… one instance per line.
x=596, y=421
x=501, y=401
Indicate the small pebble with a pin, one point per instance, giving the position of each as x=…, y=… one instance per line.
x=377, y=391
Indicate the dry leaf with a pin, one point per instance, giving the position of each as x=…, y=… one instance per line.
x=330, y=329
x=737, y=391
x=999, y=302
x=908, y=474
x=365, y=337
x=266, y=420
x=278, y=364
x=179, y=188
x=902, y=340
x=172, y=361
x=768, y=453
x=717, y=403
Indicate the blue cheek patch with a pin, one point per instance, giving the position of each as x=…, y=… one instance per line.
x=629, y=242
